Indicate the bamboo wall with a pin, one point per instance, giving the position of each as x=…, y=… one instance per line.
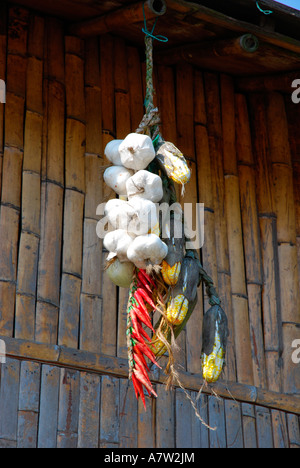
x=66, y=98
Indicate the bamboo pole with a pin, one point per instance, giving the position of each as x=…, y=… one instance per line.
x=31, y=185
x=3, y=45
x=251, y=238
x=49, y=265
x=135, y=86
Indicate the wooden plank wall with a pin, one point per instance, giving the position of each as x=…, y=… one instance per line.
x=66, y=98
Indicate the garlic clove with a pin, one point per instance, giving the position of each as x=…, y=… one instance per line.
x=145, y=218
x=136, y=151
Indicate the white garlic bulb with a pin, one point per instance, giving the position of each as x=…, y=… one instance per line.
x=145, y=216
x=147, y=249
x=118, y=242
x=136, y=151
x=145, y=184
x=111, y=151
x=116, y=177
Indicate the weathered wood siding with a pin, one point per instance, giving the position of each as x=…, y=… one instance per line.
x=66, y=98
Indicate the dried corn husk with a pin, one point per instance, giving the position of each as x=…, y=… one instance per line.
x=147, y=250
x=145, y=184
x=116, y=177
x=111, y=151
x=136, y=151
x=174, y=163
x=171, y=265
x=215, y=333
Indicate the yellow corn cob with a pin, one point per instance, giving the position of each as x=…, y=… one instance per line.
x=157, y=347
x=177, y=309
x=174, y=163
x=212, y=364
x=170, y=274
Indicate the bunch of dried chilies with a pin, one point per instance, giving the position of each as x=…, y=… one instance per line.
x=148, y=254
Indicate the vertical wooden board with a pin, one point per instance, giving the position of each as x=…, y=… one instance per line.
x=249, y=426
x=50, y=243
x=9, y=233
x=25, y=317
x=185, y=109
x=34, y=88
x=288, y=271
x=31, y=202
x=10, y=378
x=75, y=149
x=196, y=423
x=107, y=84
x=74, y=78
x=90, y=323
x=68, y=410
x=94, y=185
x=135, y=86
x=234, y=428
x=146, y=424
x=194, y=336
x=165, y=418
x=12, y=177
x=7, y=307
x=293, y=430
x=183, y=415
x=216, y=411
x=27, y=429
x=29, y=395
x=280, y=431
x=18, y=27
x=203, y=412
x=91, y=259
x=199, y=99
x=54, y=45
x=109, y=316
x=128, y=415
x=55, y=120
x=167, y=104
x=123, y=295
x=277, y=119
x=33, y=142
x=68, y=327
x=89, y=411
x=72, y=232
x=46, y=322
x=16, y=73
x=14, y=120
x=109, y=411
x=27, y=264
x=264, y=427
x=47, y=431
x=242, y=339
x=290, y=371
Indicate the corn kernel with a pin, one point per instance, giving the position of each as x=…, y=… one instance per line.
x=212, y=365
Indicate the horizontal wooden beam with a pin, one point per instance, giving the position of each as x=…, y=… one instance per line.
x=103, y=364
x=112, y=21
x=281, y=82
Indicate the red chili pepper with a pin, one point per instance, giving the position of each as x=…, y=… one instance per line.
x=134, y=320
x=140, y=301
x=144, y=281
x=139, y=365
x=142, y=317
x=143, y=380
x=138, y=388
x=148, y=278
x=144, y=294
x=136, y=351
x=136, y=337
x=145, y=350
x=143, y=332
